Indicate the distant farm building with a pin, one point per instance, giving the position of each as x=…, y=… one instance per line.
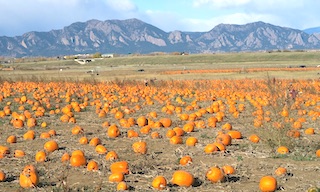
x=107, y=55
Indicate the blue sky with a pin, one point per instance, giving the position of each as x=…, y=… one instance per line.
x=20, y=16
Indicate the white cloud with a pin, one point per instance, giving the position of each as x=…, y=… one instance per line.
x=123, y=5
x=220, y=3
x=236, y=18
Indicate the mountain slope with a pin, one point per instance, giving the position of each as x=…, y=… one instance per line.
x=135, y=36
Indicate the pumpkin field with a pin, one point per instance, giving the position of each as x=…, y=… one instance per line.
x=248, y=126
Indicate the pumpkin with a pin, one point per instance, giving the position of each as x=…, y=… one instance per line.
x=235, y=134
x=318, y=153
x=185, y=160
x=132, y=133
x=142, y=121
x=77, y=160
x=220, y=146
x=182, y=178
x=12, y=139
x=188, y=127
x=191, y=141
x=120, y=166
x=65, y=157
x=52, y=132
x=254, y=138
x=122, y=186
x=145, y=129
x=159, y=182
x=77, y=152
x=166, y=122
x=170, y=133
x=228, y=170
x=29, y=177
x=19, y=153
x=100, y=149
x=29, y=135
x=140, y=147
x=45, y=135
x=51, y=146
x=268, y=184
x=17, y=123
x=116, y=177
x=111, y=155
x=31, y=122
x=227, y=126
x=283, y=150
x=215, y=174
x=210, y=148
x=155, y=135
x=92, y=165
x=280, y=171
x=224, y=139
x=41, y=156
x=43, y=124
x=94, y=141
x=77, y=130
x=309, y=131
x=113, y=131
x=176, y=140
x=2, y=176
x=118, y=115
x=179, y=131
x=83, y=140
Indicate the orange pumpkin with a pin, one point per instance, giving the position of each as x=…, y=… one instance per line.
x=19, y=153
x=51, y=146
x=120, y=166
x=116, y=177
x=83, y=140
x=111, y=155
x=2, y=176
x=78, y=160
x=215, y=174
x=254, y=138
x=41, y=156
x=224, y=139
x=283, y=150
x=280, y=171
x=182, y=178
x=210, y=148
x=228, y=170
x=176, y=140
x=29, y=177
x=235, y=134
x=142, y=121
x=92, y=166
x=12, y=139
x=100, y=149
x=166, y=122
x=140, y=147
x=159, y=182
x=65, y=157
x=122, y=186
x=191, y=141
x=185, y=160
x=268, y=184
x=95, y=141
x=318, y=153
x=113, y=131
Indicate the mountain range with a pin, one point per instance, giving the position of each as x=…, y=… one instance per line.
x=136, y=36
